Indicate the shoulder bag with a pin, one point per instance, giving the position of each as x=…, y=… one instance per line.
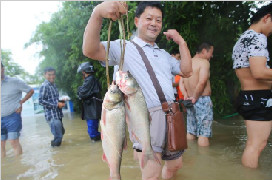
x=176, y=131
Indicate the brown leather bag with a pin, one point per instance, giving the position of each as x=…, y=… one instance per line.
x=176, y=131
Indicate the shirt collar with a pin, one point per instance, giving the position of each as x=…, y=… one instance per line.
x=89, y=76
x=48, y=82
x=142, y=43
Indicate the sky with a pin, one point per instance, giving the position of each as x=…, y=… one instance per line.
x=19, y=20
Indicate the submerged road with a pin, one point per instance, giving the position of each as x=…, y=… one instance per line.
x=78, y=158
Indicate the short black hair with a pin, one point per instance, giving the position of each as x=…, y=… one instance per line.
x=143, y=4
x=2, y=65
x=257, y=16
x=174, y=51
x=204, y=45
x=49, y=69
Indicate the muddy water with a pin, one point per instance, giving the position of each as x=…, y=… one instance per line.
x=79, y=158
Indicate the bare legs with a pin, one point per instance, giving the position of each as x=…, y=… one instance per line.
x=153, y=169
x=202, y=141
x=257, y=134
x=171, y=167
x=15, y=145
x=3, y=149
x=190, y=136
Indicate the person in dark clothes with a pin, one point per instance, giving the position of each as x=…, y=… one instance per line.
x=90, y=95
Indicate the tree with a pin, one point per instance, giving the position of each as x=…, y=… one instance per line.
x=220, y=22
x=11, y=68
x=14, y=70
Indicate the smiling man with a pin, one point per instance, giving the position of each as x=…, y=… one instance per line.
x=148, y=20
x=49, y=99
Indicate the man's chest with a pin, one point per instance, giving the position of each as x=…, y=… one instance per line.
x=9, y=89
x=52, y=92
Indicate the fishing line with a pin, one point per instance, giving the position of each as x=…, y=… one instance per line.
x=107, y=55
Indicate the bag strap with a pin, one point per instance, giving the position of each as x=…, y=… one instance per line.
x=151, y=74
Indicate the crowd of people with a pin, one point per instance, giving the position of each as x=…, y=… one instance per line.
x=190, y=76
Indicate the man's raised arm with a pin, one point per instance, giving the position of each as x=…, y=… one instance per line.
x=185, y=60
x=92, y=47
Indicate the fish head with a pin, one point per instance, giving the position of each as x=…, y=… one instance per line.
x=127, y=83
x=113, y=96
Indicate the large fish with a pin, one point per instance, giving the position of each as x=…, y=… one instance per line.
x=113, y=128
x=138, y=115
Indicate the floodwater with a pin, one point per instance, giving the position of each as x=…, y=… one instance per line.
x=80, y=159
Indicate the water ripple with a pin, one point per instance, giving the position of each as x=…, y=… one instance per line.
x=38, y=155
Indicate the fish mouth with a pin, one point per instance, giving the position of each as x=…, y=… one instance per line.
x=114, y=88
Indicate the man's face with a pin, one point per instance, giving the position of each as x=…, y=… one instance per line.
x=149, y=24
x=209, y=53
x=269, y=24
x=84, y=74
x=50, y=76
x=177, y=56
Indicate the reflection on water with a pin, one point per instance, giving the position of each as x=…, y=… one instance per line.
x=79, y=158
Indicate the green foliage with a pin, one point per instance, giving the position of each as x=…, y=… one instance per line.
x=61, y=39
x=220, y=22
x=12, y=69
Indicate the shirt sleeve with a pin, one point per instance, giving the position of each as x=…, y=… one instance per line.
x=175, y=65
x=23, y=86
x=114, y=51
x=44, y=99
x=257, y=46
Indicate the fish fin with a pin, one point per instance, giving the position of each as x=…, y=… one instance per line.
x=104, y=158
x=102, y=137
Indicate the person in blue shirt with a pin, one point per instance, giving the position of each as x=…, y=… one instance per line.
x=49, y=99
